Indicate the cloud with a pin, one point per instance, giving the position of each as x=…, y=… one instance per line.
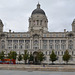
x=15, y=14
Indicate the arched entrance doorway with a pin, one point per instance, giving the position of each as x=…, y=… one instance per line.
x=35, y=54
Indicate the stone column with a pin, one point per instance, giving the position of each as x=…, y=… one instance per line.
x=41, y=44
x=12, y=43
x=54, y=44
x=24, y=44
x=48, y=44
x=18, y=43
x=66, y=43
x=60, y=44
x=6, y=44
x=74, y=44
x=0, y=44
x=30, y=43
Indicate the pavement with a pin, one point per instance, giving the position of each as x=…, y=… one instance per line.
x=62, y=68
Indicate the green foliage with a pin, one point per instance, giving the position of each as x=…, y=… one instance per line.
x=2, y=55
x=19, y=57
x=31, y=57
x=12, y=55
x=25, y=56
x=53, y=57
x=66, y=56
x=40, y=56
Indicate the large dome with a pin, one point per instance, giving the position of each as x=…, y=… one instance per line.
x=38, y=10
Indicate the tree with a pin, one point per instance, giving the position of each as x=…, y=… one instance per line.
x=12, y=55
x=66, y=56
x=53, y=57
x=2, y=55
x=31, y=58
x=25, y=56
x=19, y=57
x=40, y=56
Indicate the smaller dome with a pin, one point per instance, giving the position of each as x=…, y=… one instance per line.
x=38, y=10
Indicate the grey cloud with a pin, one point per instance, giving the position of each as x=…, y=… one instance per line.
x=15, y=13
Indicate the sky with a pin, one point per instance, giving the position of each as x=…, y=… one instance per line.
x=15, y=14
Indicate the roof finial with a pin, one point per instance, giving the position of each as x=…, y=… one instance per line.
x=38, y=5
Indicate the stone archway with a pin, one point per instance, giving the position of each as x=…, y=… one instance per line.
x=35, y=57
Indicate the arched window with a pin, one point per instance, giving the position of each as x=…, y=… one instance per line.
x=21, y=46
x=57, y=46
x=51, y=47
x=46, y=52
x=37, y=22
x=44, y=44
x=70, y=44
x=27, y=44
x=63, y=46
x=3, y=44
x=58, y=52
x=62, y=53
x=15, y=46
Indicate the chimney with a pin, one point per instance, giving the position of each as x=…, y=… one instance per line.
x=64, y=30
x=9, y=31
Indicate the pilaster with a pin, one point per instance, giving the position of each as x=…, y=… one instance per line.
x=60, y=44
x=30, y=43
x=48, y=44
x=54, y=44
x=12, y=43
x=67, y=44
x=0, y=44
x=5, y=43
x=18, y=43
x=74, y=44
x=24, y=44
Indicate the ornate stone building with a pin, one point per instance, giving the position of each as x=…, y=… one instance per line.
x=39, y=38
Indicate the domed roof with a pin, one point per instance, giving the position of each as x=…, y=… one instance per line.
x=38, y=10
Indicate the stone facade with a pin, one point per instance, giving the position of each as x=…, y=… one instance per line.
x=39, y=38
